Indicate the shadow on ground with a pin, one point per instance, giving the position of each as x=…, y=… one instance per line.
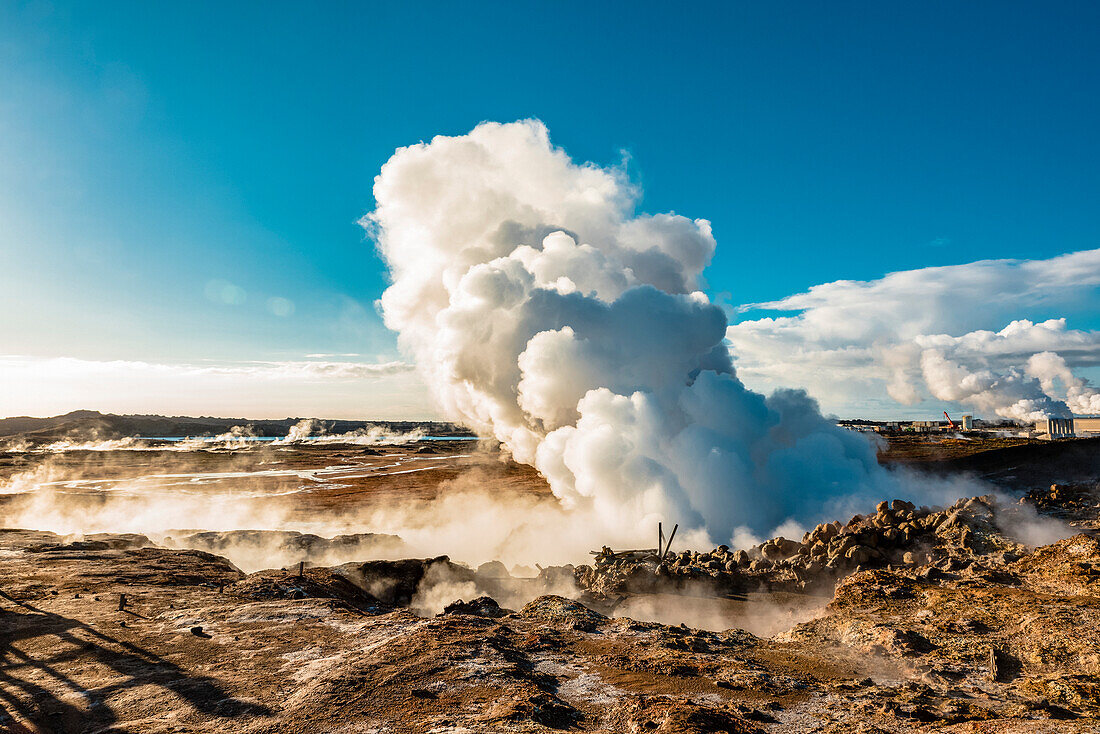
x=35, y=691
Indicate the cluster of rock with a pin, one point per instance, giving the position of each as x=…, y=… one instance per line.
x=312, y=583
x=92, y=542
x=897, y=534
x=1063, y=499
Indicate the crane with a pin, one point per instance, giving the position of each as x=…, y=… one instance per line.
x=950, y=422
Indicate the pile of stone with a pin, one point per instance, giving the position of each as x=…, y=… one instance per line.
x=897, y=534
x=1064, y=498
x=630, y=571
x=483, y=606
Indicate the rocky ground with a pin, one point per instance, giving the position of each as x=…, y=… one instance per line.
x=975, y=533
x=939, y=620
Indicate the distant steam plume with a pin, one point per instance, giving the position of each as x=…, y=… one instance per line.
x=313, y=431
x=544, y=311
x=1002, y=374
x=1049, y=367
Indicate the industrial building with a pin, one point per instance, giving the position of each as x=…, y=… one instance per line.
x=1050, y=428
x=1075, y=427
x=966, y=423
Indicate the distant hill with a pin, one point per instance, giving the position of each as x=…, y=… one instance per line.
x=92, y=425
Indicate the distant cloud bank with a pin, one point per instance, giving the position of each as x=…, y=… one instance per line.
x=961, y=333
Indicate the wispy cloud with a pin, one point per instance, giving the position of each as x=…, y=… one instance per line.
x=308, y=370
x=39, y=386
x=266, y=370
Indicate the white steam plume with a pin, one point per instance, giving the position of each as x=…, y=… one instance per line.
x=313, y=431
x=1049, y=367
x=543, y=311
x=1003, y=372
x=1010, y=393
x=302, y=430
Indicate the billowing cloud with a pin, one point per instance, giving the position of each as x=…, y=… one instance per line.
x=956, y=333
x=541, y=309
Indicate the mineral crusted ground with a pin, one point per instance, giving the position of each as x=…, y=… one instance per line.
x=902, y=619
x=947, y=626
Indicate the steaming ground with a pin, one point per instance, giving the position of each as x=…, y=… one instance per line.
x=328, y=503
x=438, y=496
x=465, y=499
x=411, y=499
x=938, y=619
x=108, y=632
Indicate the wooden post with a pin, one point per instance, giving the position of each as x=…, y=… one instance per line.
x=670, y=537
x=660, y=541
x=301, y=568
x=121, y=602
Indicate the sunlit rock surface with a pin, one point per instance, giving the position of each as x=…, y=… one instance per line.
x=946, y=623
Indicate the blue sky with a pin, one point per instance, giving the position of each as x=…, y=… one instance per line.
x=168, y=169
